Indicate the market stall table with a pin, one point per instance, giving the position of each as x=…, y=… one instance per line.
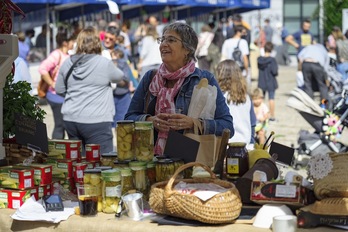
x=107, y=222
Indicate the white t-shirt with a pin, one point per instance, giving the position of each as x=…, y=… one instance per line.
x=150, y=52
x=229, y=45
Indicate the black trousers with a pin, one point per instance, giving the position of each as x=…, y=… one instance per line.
x=314, y=73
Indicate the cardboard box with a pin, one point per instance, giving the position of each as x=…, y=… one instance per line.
x=16, y=198
x=16, y=177
x=64, y=149
x=293, y=194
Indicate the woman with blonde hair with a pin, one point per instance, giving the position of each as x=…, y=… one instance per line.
x=84, y=79
x=234, y=87
x=150, y=56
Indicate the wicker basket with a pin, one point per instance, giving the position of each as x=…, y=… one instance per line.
x=222, y=208
x=335, y=184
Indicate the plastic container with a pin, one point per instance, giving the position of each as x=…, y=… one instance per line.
x=111, y=190
x=143, y=141
x=125, y=145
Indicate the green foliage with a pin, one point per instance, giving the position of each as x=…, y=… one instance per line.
x=17, y=100
x=333, y=14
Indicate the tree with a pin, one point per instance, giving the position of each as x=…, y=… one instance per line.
x=333, y=14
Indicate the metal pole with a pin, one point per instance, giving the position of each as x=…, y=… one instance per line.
x=48, y=31
x=321, y=21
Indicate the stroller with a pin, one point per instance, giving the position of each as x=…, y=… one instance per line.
x=326, y=124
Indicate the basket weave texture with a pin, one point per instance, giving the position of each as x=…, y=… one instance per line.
x=335, y=184
x=17, y=153
x=221, y=208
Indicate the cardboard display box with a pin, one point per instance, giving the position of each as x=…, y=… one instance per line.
x=15, y=177
x=64, y=149
x=293, y=194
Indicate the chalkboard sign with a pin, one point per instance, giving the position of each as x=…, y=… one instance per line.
x=31, y=133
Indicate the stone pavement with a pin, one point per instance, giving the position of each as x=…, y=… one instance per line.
x=289, y=122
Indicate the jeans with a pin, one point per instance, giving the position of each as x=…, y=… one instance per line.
x=343, y=69
x=121, y=106
x=315, y=73
x=96, y=133
x=58, y=130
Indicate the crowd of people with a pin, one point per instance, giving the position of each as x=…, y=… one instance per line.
x=152, y=70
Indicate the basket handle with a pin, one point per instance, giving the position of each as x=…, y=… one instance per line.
x=182, y=168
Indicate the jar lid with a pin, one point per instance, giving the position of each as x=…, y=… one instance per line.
x=126, y=171
x=150, y=165
x=165, y=161
x=104, y=168
x=237, y=144
x=94, y=170
x=144, y=124
x=137, y=165
x=124, y=122
x=121, y=162
x=111, y=172
x=109, y=154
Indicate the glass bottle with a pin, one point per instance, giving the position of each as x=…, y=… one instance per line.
x=126, y=180
x=143, y=141
x=237, y=160
x=125, y=144
x=139, y=175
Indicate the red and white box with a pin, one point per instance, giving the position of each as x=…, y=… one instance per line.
x=17, y=178
x=64, y=149
x=16, y=198
x=45, y=190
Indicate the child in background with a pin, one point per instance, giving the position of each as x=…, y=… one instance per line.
x=262, y=115
x=268, y=70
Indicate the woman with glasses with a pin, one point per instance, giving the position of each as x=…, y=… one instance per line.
x=163, y=96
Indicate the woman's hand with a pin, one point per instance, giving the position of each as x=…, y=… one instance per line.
x=180, y=121
x=160, y=122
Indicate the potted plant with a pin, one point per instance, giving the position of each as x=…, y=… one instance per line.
x=16, y=97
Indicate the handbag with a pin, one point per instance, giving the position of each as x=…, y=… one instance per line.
x=209, y=144
x=42, y=87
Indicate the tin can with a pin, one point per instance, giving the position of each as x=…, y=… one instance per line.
x=78, y=171
x=125, y=145
x=143, y=141
x=92, y=152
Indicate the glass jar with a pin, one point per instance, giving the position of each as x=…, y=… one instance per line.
x=143, y=141
x=93, y=177
x=151, y=173
x=139, y=175
x=108, y=159
x=125, y=145
x=164, y=169
x=111, y=190
x=126, y=180
x=237, y=160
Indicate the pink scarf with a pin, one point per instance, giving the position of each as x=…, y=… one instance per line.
x=165, y=96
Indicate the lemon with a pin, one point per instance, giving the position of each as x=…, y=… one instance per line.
x=256, y=154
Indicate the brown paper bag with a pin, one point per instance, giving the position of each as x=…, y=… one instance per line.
x=208, y=147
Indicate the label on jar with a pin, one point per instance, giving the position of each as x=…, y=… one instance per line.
x=114, y=191
x=232, y=165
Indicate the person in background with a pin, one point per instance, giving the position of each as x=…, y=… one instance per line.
x=41, y=38
x=234, y=87
x=204, y=40
x=262, y=115
x=230, y=44
x=301, y=38
x=23, y=48
x=122, y=95
x=49, y=72
x=22, y=72
x=150, y=56
x=29, y=34
x=268, y=30
x=127, y=43
x=315, y=65
x=170, y=89
x=267, y=81
x=88, y=109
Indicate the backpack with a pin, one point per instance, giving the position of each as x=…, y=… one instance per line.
x=237, y=56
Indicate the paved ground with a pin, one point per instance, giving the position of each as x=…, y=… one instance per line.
x=289, y=121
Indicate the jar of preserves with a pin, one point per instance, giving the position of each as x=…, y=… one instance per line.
x=93, y=177
x=151, y=173
x=126, y=180
x=143, y=141
x=164, y=169
x=111, y=190
x=125, y=145
x=237, y=160
x=108, y=159
x=139, y=175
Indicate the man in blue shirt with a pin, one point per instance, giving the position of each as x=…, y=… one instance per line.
x=301, y=38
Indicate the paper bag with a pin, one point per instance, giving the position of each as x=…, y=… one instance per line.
x=208, y=145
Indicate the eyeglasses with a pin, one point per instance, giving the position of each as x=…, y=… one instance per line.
x=169, y=39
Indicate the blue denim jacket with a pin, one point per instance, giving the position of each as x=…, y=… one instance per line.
x=222, y=118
